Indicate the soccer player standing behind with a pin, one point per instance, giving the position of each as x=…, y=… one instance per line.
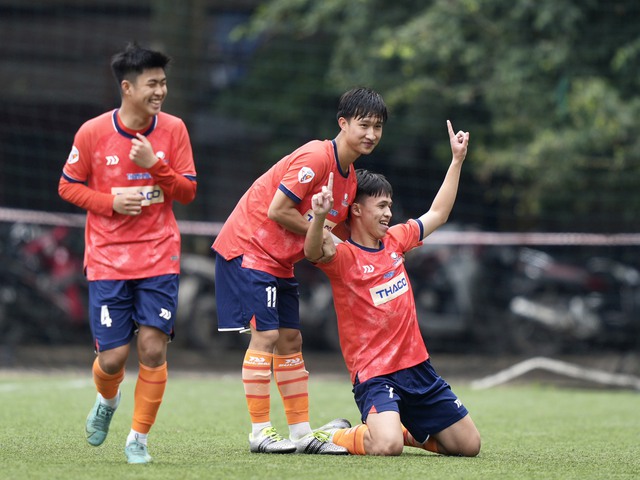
x=256, y=251
x=402, y=400
x=126, y=168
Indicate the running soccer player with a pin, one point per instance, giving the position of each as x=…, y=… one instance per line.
x=257, y=248
x=402, y=400
x=126, y=168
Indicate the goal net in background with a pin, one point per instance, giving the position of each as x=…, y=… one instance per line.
x=54, y=72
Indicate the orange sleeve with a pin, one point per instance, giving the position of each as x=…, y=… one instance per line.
x=84, y=197
x=173, y=184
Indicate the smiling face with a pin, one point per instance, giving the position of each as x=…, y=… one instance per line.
x=362, y=134
x=143, y=96
x=370, y=219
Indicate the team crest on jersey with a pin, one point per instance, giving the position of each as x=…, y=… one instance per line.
x=345, y=200
x=305, y=175
x=74, y=156
x=396, y=258
x=161, y=155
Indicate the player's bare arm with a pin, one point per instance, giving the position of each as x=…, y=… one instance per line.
x=283, y=211
x=315, y=247
x=443, y=202
x=141, y=152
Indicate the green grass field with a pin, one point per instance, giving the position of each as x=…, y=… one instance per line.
x=201, y=432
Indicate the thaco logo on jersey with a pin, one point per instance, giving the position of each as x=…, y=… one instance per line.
x=386, y=292
x=151, y=193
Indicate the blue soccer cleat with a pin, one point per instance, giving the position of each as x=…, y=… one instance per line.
x=98, y=421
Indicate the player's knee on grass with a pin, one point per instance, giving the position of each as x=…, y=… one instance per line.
x=463, y=446
x=471, y=446
x=385, y=445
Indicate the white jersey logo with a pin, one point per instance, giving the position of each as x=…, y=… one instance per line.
x=74, y=156
x=291, y=362
x=255, y=360
x=386, y=292
x=305, y=175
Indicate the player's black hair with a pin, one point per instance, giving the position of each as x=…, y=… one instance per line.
x=134, y=59
x=362, y=102
x=371, y=185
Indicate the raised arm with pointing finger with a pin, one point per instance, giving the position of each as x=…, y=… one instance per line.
x=446, y=196
x=321, y=203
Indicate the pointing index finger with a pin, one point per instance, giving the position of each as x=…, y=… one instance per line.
x=330, y=183
x=450, y=128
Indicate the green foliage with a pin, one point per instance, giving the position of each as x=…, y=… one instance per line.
x=529, y=432
x=548, y=90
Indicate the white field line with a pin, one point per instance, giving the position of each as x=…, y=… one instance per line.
x=559, y=367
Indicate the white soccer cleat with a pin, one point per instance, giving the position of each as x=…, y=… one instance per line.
x=333, y=425
x=318, y=443
x=270, y=441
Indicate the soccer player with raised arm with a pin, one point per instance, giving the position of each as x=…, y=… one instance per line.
x=256, y=250
x=126, y=168
x=402, y=400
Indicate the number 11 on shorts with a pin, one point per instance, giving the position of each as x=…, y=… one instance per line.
x=271, y=297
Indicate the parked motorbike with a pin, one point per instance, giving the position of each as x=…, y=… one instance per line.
x=558, y=306
x=42, y=288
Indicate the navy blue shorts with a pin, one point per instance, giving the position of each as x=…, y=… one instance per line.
x=423, y=399
x=118, y=307
x=242, y=293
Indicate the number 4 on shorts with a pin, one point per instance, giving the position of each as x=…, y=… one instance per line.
x=105, y=319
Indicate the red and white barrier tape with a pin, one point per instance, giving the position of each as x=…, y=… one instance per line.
x=211, y=229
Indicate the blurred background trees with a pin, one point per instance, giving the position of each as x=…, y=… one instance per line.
x=548, y=90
